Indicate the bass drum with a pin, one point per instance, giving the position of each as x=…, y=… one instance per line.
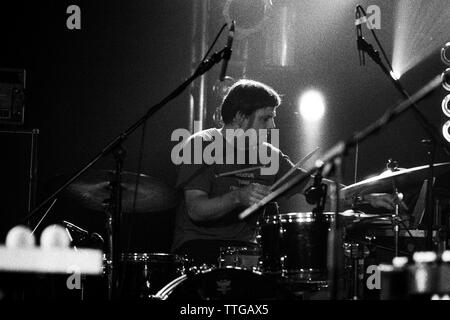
x=224, y=284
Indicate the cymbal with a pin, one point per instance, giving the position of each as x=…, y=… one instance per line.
x=357, y=219
x=93, y=189
x=361, y=215
x=403, y=180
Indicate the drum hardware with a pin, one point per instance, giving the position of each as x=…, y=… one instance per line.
x=404, y=179
x=435, y=139
x=356, y=253
x=425, y=277
x=241, y=257
x=113, y=209
x=224, y=284
x=147, y=273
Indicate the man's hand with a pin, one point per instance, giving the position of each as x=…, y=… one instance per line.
x=252, y=194
x=384, y=200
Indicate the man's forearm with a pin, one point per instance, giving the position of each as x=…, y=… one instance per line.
x=207, y=209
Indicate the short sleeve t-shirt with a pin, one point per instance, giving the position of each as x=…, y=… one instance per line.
x=217, y=179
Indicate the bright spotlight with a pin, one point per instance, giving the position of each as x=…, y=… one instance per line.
x=445, y=131
x=395, y=75
x=445, y=54
x=446, y=79
x=446, y=105
x=312, y=105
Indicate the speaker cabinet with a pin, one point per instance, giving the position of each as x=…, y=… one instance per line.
x=18, y=176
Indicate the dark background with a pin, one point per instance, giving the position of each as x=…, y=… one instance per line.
x=86, y=86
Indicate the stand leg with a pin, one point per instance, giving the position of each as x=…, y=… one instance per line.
x=396, y=230
x=109, y=260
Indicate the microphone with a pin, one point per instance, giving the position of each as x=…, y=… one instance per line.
x=315, y=193
x=80, y=233
x=83, y=237
x=227, y=53
x=359, y=38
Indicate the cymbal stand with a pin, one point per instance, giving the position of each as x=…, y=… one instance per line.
x=435, y=137
x=356, y=253
x=396, y=222
x=341, y=149
x=113, y=210
x=115, y=145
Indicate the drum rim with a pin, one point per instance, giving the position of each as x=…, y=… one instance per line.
x=165, y=291
x=150, y=257
x=240, y=249
x=295, y=217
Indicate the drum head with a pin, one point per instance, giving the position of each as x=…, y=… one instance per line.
x=225, y=284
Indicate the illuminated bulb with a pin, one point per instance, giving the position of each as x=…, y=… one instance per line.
x=312, y=105
x=424, y=256
x=446, y=256
x=446, y=131
x=399, y=262
x=446, y=79
x=20, y=237
x=446, y=105
x=54, y=236
x=445, y=54
x=395, y=75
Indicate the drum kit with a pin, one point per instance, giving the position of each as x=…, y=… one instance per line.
x=289, y=261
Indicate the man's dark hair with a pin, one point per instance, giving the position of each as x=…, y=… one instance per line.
x=247, y=96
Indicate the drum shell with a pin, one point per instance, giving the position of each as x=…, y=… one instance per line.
x=143, y=274
x=295, y=244
x=224, y=284
x=240, y=257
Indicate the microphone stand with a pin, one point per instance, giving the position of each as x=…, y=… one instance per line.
x=114, y=207
x=435, y=137
x=317, y=194
x=336, y=153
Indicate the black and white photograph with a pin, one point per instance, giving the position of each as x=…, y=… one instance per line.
x=224, y=158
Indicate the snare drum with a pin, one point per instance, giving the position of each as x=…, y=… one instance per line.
x=143, y=274
x=224, y=284
x=295, y=245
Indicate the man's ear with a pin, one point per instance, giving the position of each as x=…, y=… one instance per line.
x=239, y=118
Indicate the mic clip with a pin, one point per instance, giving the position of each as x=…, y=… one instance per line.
x=316, y=194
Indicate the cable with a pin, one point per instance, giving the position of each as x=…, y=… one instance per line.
x=212, y=45
x=376, y=39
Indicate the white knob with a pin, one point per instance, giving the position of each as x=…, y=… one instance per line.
x=20, y=237
x=54, y=236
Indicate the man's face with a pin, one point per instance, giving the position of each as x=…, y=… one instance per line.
x=263, y=118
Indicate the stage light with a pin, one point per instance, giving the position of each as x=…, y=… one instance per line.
x=418, y=33
x=446, y=79
x=445, y=131
x=445, y=54
x=395, y=75
x=312, y=105
x=446, y=105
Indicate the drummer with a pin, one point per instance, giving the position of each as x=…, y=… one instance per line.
x=230, y=177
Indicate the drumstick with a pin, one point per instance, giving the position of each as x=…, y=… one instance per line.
x=287, y=174
x=237, y=171
x=337, y=149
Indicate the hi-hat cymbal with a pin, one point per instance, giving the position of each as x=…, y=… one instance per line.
x=403, y=180
x=93, y=189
